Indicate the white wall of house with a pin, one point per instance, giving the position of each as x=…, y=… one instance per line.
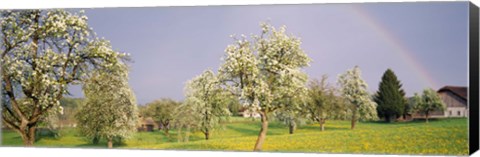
x=456, y=107
x=249, y=113
x=456, y=112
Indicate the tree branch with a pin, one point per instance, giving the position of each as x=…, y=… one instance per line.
x=10, y=124
x=4, y=107
x=11, y=95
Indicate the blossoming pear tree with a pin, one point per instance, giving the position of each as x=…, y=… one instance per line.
x=354, y=90
x=161, y=111
x=291, y=113
x=264, y=71
x=322, y=103
x=428, y=102
x=185, y=122
x=42, y=53
x=208, y=100
x=110, y=109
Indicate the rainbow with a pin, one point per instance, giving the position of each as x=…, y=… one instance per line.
x=401, y=48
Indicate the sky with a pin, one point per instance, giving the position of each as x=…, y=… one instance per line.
x=424, y=43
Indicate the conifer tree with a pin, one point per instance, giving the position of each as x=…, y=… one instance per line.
x=390, y=97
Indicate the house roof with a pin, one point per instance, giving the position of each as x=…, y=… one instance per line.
x=148, y=121
x=459, y=91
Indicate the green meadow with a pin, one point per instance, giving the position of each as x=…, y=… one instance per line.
x=439, y=136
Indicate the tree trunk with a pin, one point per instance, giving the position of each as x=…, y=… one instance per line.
x=110, y=143
x=353, y=124
x=166, y=131
x=29, y=142
x=31, y=133
x=263, y=132
x=95, y=140
x=23, y=126
x=426, y=117
x=187, y=134
x=322, y=124
x=389, y=118
x=179, y=134
x=207, y=134
x=28, y=139
x=27, y=132
x=166, y=127
x=291, y=128
x=354, y=119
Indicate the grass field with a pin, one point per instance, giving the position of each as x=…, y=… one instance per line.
x=442, y=136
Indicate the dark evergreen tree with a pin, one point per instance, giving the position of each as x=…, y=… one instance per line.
x=390, y=97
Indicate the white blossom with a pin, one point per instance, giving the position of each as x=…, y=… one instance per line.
x=44, y=70
x=354, y=89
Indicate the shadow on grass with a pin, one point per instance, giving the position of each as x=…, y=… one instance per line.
x=173, y=137
x=44, y=133
x=101, y=144
x=327, y=128
x=414, y=121
x=194, y=138
x=170, y=137
x=277, y=125
x=195, y=147
x=90, y=145
x=14, y=138
x=250, y=132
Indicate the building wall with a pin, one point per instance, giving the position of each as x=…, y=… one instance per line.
x=452, y=100
x=456, y=112
x=249, y=113
x=434, y=114
x=456, y=107
x=145, y=123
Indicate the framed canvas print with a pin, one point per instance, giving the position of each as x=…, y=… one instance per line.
x=349, y=78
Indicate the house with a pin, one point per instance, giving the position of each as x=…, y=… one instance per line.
x=66, y=123
x=146, y=124
x=405, y=117
x=247, y=112
x=455, y=99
